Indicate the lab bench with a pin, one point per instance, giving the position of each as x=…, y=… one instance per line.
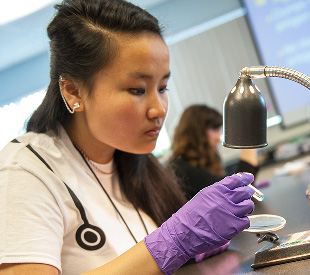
x=285, y=196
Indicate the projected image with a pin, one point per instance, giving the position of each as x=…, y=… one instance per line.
x=281, y=30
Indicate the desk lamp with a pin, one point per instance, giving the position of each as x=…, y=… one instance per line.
x=244, y=109
x=244, y=126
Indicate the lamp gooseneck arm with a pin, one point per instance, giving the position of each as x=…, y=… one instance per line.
x=271, y=71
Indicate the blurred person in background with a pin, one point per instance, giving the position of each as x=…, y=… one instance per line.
x=194, y=150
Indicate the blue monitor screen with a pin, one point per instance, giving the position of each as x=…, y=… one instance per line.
x=281, y=31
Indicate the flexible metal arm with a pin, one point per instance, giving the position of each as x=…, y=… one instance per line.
x=271, y=71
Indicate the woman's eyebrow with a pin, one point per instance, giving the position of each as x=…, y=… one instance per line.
x=138, y=75
x=167, y=75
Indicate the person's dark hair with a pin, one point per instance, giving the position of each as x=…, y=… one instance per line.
x=82, y=42
x=190, y=142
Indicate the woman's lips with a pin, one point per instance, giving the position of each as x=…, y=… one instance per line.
x=153, y=133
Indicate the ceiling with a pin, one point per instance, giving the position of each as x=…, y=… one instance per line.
x=147, y=3
x=13, y=10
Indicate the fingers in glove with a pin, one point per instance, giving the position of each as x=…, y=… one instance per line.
x=237, y=195
x=243, y=208
x=240, y=194
x=237, y=180
x=228, y=225
x=243, y=224
x=237, y=201
x=240, y=209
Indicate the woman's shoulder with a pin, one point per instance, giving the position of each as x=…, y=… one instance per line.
x=16, y=148
x=26, y=150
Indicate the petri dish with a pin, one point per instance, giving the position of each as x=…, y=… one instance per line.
x=265, y=223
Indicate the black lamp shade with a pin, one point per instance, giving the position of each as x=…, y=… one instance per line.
x=245, y=116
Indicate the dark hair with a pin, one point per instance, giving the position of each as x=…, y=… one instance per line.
x=82, y=42
x=190, y=142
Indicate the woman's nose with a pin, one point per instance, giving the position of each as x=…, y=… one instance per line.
x=157, y=107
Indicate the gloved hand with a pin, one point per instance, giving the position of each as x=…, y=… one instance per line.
x=205, y=255
x=206, y=222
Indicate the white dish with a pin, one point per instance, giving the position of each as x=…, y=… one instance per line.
x=265, y=223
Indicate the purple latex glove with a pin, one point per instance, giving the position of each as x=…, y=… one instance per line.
x=206, y=222
x=205, y=255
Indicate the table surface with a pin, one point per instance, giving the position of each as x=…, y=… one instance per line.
x=284, y=197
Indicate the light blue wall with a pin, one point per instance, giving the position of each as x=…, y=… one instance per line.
x=24, y=57
x=179, y=15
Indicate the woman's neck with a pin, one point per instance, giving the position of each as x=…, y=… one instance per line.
x=92, y=148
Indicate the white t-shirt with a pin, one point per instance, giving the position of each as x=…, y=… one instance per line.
x=39, y=219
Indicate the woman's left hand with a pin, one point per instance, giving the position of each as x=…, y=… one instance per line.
x=205, y=255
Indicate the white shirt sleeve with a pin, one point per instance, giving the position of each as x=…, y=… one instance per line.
x=31, y=223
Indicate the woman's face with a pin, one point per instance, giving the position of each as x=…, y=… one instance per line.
x=213, y=136
x=128, y=104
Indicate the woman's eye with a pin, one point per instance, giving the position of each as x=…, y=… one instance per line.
x=141, y=91
x=137, y=91
x=163, y=90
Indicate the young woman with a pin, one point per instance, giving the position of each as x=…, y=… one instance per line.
x=194, y=153
x=80, y=192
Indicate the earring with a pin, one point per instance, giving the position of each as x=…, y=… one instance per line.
x=75, y=106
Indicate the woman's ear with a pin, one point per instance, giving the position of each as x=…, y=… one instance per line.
x=71, y=93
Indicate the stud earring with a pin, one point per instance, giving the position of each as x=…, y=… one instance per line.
x=75, y=106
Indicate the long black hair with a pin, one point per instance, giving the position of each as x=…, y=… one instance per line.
x=81, y=44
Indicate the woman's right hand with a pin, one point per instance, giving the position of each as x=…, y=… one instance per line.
x=209, y=220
